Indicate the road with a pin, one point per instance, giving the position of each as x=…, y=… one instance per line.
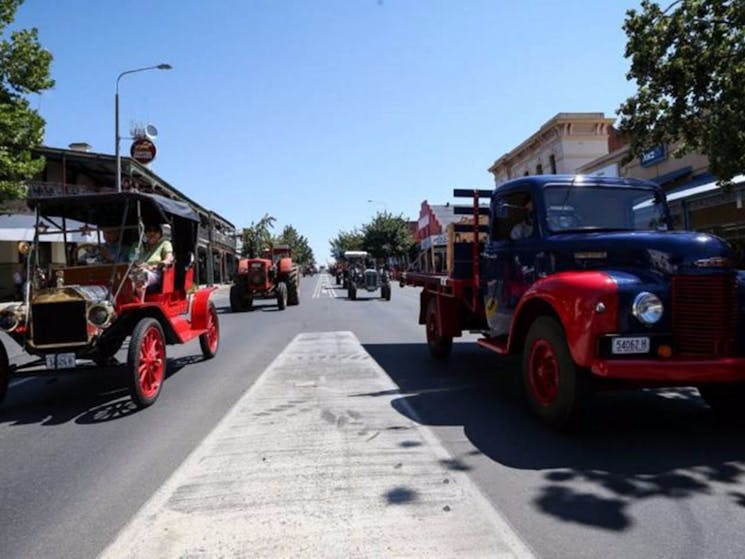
x=651, y=474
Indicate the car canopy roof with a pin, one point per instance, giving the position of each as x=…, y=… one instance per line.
x=108, y=209
x=355, y=254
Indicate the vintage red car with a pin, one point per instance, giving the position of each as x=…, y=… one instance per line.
x=79, y=313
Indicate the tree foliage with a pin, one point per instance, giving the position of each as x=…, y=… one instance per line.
x=257, y=236
x=688, y=61
x=24, y=69
x=346, y=240
x=387, y=235
x=301, y=251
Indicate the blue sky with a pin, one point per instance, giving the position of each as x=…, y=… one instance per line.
x=307, y=109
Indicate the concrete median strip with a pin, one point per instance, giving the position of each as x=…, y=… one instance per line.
x=313, y=461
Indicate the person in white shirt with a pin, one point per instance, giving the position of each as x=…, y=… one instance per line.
x=524, y=228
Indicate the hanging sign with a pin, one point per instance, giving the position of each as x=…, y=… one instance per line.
x=143, y=150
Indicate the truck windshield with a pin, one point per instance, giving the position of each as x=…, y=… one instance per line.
x=601, y=207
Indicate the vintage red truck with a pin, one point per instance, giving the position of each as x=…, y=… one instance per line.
x=586, y=279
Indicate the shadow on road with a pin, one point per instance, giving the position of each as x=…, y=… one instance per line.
x=95, y=395
x=633, y=445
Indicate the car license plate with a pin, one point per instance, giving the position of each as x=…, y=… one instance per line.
x=60, y=361
x=630, y=345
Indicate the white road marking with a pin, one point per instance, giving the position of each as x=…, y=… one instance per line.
x=314, y=461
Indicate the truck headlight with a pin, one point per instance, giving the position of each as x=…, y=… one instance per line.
x=100, y=314
x=647, y=308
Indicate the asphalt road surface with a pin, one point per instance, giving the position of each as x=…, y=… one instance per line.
x=651, y=474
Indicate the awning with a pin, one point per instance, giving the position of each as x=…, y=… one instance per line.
x=688, y=192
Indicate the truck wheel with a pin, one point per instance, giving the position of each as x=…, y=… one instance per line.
x=236, y=298
x=281, y=295
x=556, y=388
x=439, y=346
x=4, y=372
x=146, y=360
x=352, y=292
x=725, y=399
x=385, y=292
x=293, y=288
x=210, y=340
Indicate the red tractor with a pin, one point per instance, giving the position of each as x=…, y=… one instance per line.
x=274, y=275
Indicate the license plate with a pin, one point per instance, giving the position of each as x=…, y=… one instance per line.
x=60, y=361
x=630, y=345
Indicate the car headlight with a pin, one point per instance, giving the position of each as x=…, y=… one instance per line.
x=647, y=308
x=100, y=314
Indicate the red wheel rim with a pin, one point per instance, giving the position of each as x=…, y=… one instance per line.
x=213, y=330
x=543, y=372
x=152, y=363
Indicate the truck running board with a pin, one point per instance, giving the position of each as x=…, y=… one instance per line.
x=497, y=345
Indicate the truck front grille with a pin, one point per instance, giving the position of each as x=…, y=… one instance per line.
x=59, y=323
x=704, y=313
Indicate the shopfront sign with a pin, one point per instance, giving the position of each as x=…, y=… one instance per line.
x=653, y=156
x=143, y=150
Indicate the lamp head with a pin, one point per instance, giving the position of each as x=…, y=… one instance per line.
x=164, y=67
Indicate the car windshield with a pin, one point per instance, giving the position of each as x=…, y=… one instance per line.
x=599, y=207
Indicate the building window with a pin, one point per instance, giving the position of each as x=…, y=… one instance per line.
x=539, y=169
x=552, y=163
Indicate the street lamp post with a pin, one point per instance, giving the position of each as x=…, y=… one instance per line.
x=117, y=138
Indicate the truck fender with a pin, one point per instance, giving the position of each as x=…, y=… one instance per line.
x=199, y=307
x=584, y=302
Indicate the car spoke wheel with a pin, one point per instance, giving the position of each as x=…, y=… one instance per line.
x=210, y=340
x=146, y=360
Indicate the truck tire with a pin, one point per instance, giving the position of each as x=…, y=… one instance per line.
x=557, y=390
x=210, y=340
x=293, y=288
x=146, y=361
x=726, y=399
x=281, y=295
x=439, y=345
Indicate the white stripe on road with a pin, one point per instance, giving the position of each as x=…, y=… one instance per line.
x=314, y=461
x=323, y=286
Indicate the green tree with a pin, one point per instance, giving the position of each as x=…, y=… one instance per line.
x=346, y=240
x=257, y=236
x=387, y=235
x=688, y=61
x=24, y=69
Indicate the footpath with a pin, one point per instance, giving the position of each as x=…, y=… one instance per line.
x=313, y=461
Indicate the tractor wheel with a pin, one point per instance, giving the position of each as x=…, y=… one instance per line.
x=385, y=292
x=293, y=288
x=281, y=295
x=146, y=360
x=4, y=372
x=352, y=292
x=439, y=345
x=556, y=388
x=338, y=280
x=236, y=297
x=248, y=302
x=210, y=340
